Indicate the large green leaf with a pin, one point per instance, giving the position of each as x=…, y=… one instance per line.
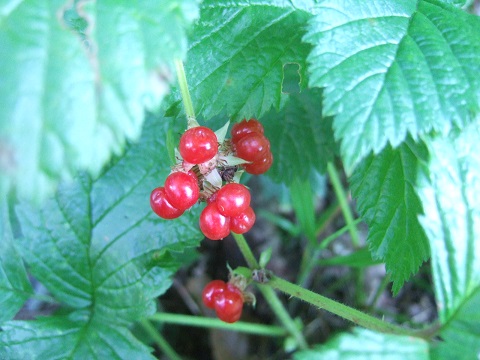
x=368, y=345
x=71, y=98
x=14, y=285
x=449, y=192
x=390, y=68
x=301, y=138
x=98, y=247
x=69, y=337
x=384, y=186
x=237, y=53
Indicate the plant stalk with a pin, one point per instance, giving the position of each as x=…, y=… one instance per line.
x=343, y=202
x=346, y=312
x=270, y=295
x=201, y=321
x=186, y=99
x=160, y=340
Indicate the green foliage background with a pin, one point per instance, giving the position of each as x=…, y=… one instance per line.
x=390, y=87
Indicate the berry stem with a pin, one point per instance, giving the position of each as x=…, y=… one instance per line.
x=160, y=340
x=355, y=316
x=270, y=295
x=186, y=99
x=202, y=321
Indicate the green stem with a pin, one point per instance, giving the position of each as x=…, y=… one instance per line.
x=343, y=202
x=246, y=251
x=270, y=296
x=318, y=250
x=339, y=309
x=201, y=321
x=160, y=340
x=187, y=100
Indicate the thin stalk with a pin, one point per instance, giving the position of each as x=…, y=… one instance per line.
x=204, y=322
x=381, y=288
x=318, y=250
x=186, y=99
x=346, y=312
x=270, y=295
x=343, y=202
x=347, y=214
x=160, y=340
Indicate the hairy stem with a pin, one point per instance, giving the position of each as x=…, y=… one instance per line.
x=346, y=312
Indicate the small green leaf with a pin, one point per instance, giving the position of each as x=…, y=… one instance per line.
x=360, y=258
x=303, y=198
x=364, y=344
x=98, y=245
x=394, y=68
x=384, y=186
x=300, y=138
x=460, y=338
x=15, y=288
x=70, y=97
x=265, y=257
x=449, y=190
x=76, y=336
x=237, y=53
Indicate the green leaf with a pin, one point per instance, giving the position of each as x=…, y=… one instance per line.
x=394, y=68
x=71, y=98
x=303, y=198
x=449, y=191
x=98, y=246
x=69, y=337
x=364, y=344
x=237, y=53
x=15, y=288
x=360, y=258
x=384, y=186
x=300, y=138
x=460, y=338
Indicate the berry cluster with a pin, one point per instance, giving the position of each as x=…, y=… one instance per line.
x=226, y=298
x=208, y=170
x=250, y=144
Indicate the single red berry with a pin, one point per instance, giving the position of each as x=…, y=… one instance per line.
x=242, y=223
x=252, y=147
x=198, y=144
x=181, y=189
x=211, y=290
x=260, y=166
x=232, y=199
x=245, y=127
x=229, y=304
x=214, y=225
x=161, y=206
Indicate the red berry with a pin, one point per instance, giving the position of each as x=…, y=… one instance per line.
x=161, y=206
x=252, y=147
x=260, y=166
x=242, y=223
x=211, y=290
x=229, y=304
x=181, y=189
x=232, y=199
x=198, y=144
x=214, y=225
x=245, y=127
